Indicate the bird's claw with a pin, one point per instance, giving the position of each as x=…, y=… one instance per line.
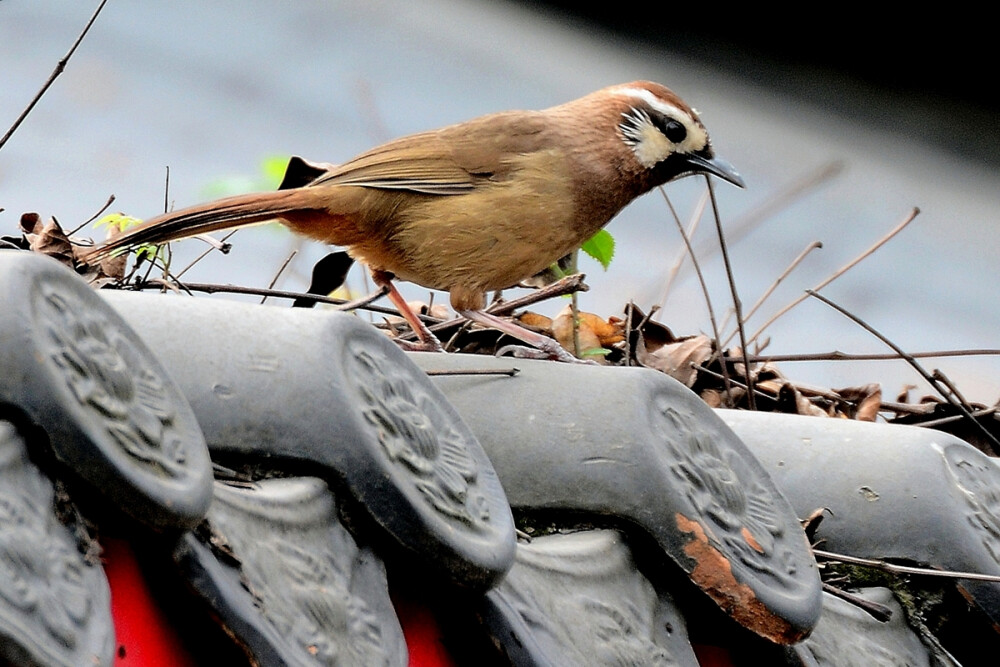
x=554, y=353
x=433, y=345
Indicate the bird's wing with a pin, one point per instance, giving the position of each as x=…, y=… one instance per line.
x=450, y=161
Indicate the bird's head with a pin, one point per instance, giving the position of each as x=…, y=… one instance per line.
x=665, y=135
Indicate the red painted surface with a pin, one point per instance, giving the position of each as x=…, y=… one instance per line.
x=143, y=634
x=713, y=656
x=422, y=632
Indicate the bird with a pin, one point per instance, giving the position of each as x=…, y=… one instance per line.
x=480, y=205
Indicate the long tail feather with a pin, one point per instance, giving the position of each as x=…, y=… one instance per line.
x=228, y=213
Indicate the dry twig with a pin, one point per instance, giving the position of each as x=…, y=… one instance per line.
x=737, y=305
x=704, y=287
x=278, y=273
x=770, y=290
x=904, y=569
x=880, y=356
x=59, y=68
x=931, y=380
x=839, y=272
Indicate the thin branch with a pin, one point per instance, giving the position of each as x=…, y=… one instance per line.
x=919, y=409
x=629, y=314
x=839, y=272
x=770, y=290
x=60, y=66
x=682, y=253
x=787, y=195
x=209, y=288
x=808, y=390
x=574, y=307
x=934, y=382
x=881, y=356
x=205, y=253
x=945, y=381
x=704, y=288
x=510, y=372
x=737, y=304
x=736, y=383
x=934, y=423
x=561, y=287
x=166, y=190
x=363, y=302
x=104, y=208
x=903, y=569
x=277, y=275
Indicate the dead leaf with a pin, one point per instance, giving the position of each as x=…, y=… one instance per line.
x=47, y=238
x=535, y=321
x=653, y=334
x=679, y=360
x=589, y=324
x=867, y=400
x=904, y=394
x=713, y=397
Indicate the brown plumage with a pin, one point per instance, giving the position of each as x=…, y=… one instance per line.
x=483, y=204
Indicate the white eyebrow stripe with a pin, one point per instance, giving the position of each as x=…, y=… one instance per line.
x=652, y=100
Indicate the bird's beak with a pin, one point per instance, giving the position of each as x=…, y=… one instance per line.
x=715, y=166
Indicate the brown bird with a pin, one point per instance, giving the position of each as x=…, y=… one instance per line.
x=481, y=205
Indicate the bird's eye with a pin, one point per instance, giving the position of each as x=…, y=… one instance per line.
x=671, y=129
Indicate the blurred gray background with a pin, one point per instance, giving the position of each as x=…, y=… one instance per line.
x=213, y=88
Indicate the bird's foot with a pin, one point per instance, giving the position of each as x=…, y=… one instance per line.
x=432, y=345
x=542, y=347
x=554, y=353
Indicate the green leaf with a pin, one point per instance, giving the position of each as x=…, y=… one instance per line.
x=270, y=172
x=600, y=246
x=273, y=169
x=119, y=220
x=124, y=222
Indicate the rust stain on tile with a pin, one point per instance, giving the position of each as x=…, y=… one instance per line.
x=714, y=575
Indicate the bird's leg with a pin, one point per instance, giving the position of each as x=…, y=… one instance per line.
x=551, y=348
x=428, y=341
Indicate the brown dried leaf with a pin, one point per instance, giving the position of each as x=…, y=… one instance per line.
x=530, y=319
x=867, y=398
x=679, y=360
x=713, y=397
x=904, y=394
x=608, y=331
x=811, y=523
x=791, y=400
x=108, y=270
x=47, y=238
x=562, y=330
x=653, y=334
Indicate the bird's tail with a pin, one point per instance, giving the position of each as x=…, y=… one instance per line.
x=228, y=213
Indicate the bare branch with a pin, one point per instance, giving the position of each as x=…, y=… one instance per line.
x=903, y=569
x=882, y=356
x=737, y=304
x=839, y=272
x=111, y=199
x=60, y=67
x=770, y=290
x=281, y=269
x=704, y=287
x=682, y=253
x=938, y=386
